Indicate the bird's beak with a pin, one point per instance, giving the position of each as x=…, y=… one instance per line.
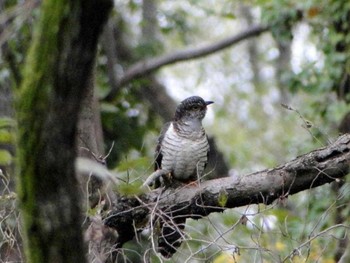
x=209, y=102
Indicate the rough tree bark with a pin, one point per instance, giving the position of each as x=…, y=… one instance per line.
x=54, y=83
x=90, y=143
x=316, y=168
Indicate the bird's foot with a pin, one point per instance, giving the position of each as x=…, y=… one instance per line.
x=192, y=184
x=155, y=178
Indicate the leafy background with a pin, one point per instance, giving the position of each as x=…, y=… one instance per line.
x=276, y=96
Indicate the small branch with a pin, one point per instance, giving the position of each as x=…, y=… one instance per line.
x=307, y=242
x=145, y=67
x=307, y=171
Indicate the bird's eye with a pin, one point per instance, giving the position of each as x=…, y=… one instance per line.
x=196, y=107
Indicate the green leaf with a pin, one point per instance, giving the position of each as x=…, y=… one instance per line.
x=108, y=107
x=133, y=188
x=222, y=199
x=138, y=163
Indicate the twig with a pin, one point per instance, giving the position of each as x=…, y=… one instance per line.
x=307, y=242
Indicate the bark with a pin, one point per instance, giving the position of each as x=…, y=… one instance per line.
x=149, y=18
x=93, y=188
x=54, y=82
x=283, y=68
x=252, y=47
x=111, y=42
x=316, y=168
x=90, y=143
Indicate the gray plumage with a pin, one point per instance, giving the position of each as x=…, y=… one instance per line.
x=183, y=147
x=182, y=152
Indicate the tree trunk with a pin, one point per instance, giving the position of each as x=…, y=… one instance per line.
x=90, y=144
x=54, y=82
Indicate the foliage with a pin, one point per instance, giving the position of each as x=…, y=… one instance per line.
x=251, y=127
x=265, y=134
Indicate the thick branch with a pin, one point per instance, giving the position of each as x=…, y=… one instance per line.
x=307, y=171
x=145, y=67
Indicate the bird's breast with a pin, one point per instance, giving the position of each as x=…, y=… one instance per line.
x=185, y=156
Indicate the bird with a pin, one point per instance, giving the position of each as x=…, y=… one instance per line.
x=183, y=147
x=182, y=154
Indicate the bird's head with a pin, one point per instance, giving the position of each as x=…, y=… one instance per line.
x=192, y=108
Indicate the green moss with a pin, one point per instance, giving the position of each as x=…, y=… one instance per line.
x=5, y=158
x=7, y=122
x=32, y=108
x=6, y=137
x=130, y=189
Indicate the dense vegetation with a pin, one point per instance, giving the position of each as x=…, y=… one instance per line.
x=278, y=71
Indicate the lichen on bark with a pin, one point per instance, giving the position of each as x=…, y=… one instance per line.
x=54, y=82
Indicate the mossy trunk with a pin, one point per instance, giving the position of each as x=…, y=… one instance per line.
x=55, y=79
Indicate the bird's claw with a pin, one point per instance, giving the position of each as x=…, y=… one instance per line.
x=155, y=178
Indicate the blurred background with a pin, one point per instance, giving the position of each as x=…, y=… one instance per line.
x=281, y=88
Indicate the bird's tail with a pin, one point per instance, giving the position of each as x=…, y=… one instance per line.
x=171, y=236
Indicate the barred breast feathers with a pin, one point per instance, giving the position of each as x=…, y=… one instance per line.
x=184, y=155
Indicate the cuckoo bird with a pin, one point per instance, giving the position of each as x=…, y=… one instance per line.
x=181, y=155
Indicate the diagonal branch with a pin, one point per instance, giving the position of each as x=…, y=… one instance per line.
x=147, y=66
x=313, y=169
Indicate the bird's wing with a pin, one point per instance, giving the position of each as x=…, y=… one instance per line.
x=158, y=153
x=205, y=165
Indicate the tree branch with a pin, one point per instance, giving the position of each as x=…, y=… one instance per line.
x=305, y=172
x=147, y=66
